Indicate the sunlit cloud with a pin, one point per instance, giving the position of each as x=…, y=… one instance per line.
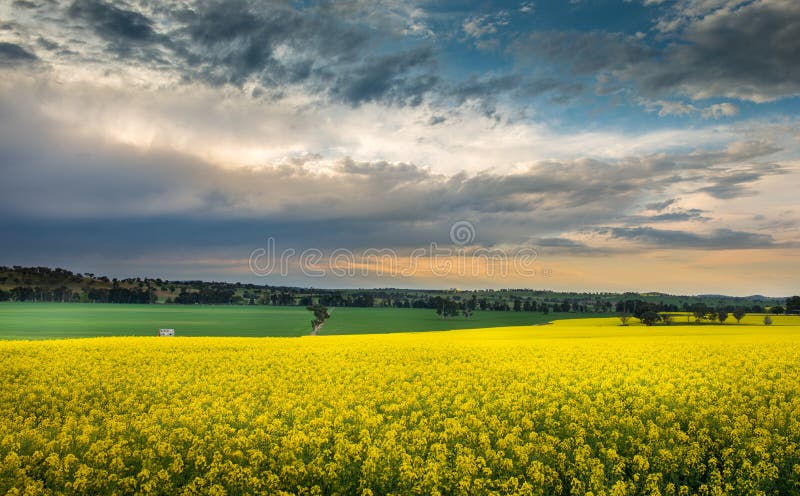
x=140, y=129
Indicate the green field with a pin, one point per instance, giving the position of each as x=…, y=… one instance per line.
x=73, y=320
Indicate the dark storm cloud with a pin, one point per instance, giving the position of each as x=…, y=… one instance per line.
x=751, y=52
x=113, y=23
x=720, y=239
x=351, y=51
x=228, y=42
x=280, y=46
x=47, y=44
x=12, y=54
x=401, y=78
x=275, y=45
x=24, y=4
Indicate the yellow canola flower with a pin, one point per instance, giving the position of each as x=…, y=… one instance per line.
x=577, y=407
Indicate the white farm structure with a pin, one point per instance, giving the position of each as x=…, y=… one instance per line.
x=166, y=332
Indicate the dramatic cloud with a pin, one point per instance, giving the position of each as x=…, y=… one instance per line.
x=719, y=239
x=734, y=183
x=82, y=179
x=747, y=51
x=394, y=78
x=11, y=54
x=113, y=23
x=183, y=133
x=740, y=50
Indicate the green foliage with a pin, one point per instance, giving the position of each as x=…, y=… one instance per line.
x=445, y=307
x=320, y=316
x=650, y=318
x=701, y=312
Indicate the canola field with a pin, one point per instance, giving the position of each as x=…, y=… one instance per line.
x=575, y=408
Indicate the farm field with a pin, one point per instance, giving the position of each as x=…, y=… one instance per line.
x=72, y=320
x=577, y=407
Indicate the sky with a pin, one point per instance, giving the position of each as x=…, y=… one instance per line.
x=597, y=145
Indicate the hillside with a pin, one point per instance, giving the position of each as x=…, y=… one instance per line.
x=43, y=284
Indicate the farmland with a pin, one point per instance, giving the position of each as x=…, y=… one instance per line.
x=56, y=320
x=577, y=407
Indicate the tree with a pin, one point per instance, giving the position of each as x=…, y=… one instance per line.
x=445, y=307
x=467, y=311
x=649, y=318
x=701, y=311
x=777, y=310
x=722, y=316
x=624, y=318
x=767, y=320
x=738, y=314
x=666, y=318
x=320, y=316
x=793, y=304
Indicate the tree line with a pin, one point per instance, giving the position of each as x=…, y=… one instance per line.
x=652, y=314
x=42, y=284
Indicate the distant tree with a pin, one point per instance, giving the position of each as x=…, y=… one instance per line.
x=517, y=305
x=624, y=318
x=467, y=311
x=22, y=293
x=666, y=318
x=738, y=314
x=777, y=310
x=701, y=311
x=767, y=320
x=445, y=307
x=722, y=316
x=320, y=316
x=793, y=304
x=649, y=318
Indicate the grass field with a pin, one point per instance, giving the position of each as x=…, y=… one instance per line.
x=58, y=320
x=578, y=407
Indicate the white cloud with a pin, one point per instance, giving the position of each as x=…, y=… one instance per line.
x=719, y=110
x=677, y=108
